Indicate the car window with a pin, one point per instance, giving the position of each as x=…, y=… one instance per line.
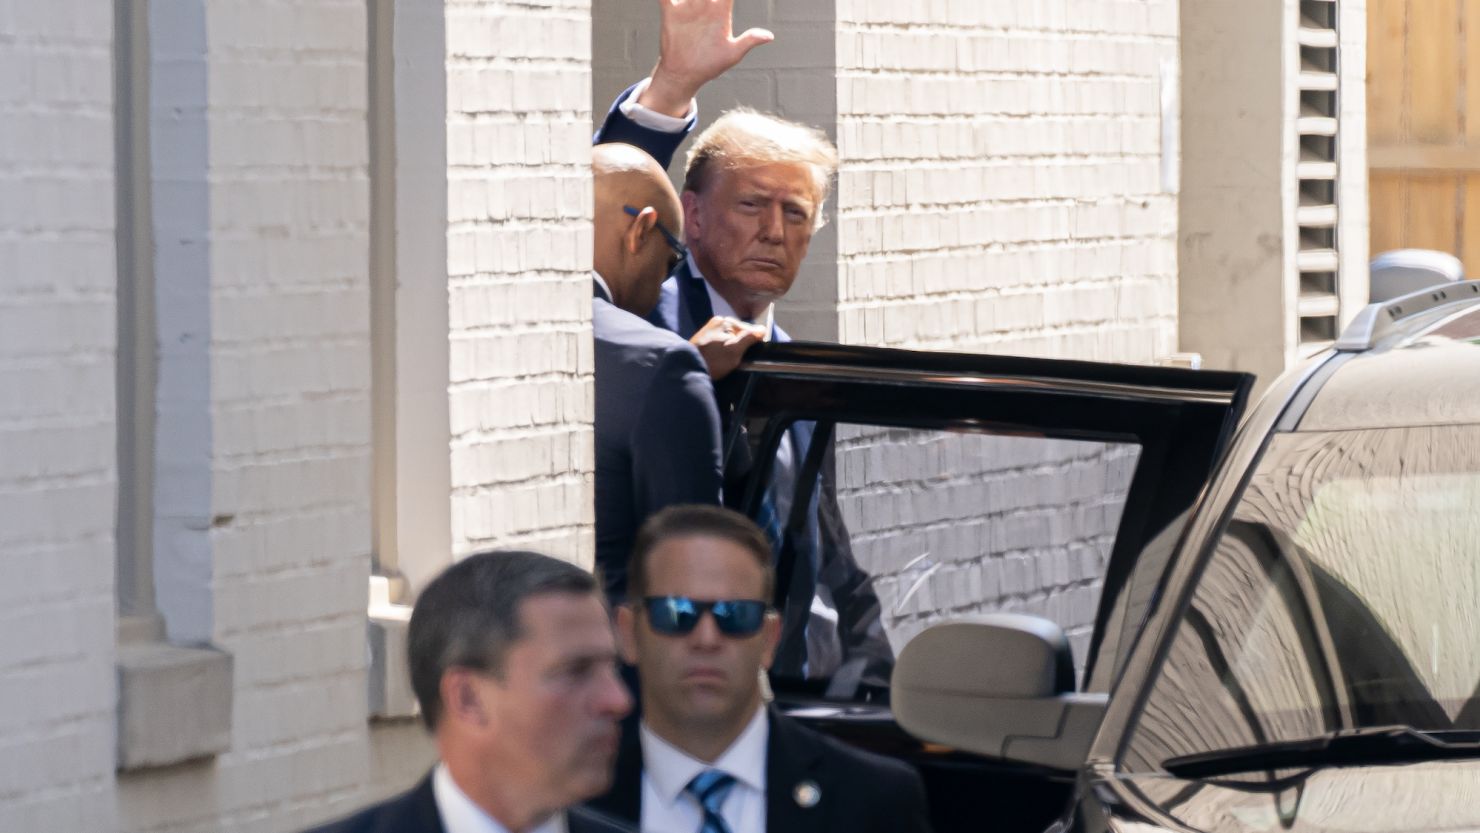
x=1344, y=593
x=948, y=523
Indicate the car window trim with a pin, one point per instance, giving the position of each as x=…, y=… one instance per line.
x=881, y=367
x=1048, y=384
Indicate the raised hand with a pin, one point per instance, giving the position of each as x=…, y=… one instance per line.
x=696, y=46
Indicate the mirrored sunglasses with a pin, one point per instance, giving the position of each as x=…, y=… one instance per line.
x=678, y=615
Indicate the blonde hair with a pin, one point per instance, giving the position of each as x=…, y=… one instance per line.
x=744, y=135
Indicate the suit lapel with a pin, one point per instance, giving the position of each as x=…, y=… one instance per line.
x=419, y=813
x=694, y=308
x=794, y=777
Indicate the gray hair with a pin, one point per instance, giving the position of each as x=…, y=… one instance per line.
x=744, y=135
x=469, y=616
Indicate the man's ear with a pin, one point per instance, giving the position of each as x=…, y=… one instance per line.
x=627, y=634
x=692, y=216
x=771, y=634
x=461, y=699
x=639, y=228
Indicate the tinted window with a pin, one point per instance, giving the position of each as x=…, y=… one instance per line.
x=1345, y=593
x=943, y=524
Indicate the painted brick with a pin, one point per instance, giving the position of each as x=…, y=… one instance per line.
x=261, y=208
x=519, y=261
x=57, y=470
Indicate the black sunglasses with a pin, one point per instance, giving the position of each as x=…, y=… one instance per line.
x=678, y=615
x=680, y=251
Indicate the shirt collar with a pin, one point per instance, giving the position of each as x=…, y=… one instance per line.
x=460, y=815
x=606, y=291
x=671, y=768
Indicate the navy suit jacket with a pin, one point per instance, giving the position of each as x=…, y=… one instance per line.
x=657, y=431
x=416, y=812
x=856, y=791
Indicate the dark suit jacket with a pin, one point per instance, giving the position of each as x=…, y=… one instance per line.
x=657, y=431
x=857, y=791
x=416, y=812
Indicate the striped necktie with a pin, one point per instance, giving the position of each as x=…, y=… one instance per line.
x=710, y=787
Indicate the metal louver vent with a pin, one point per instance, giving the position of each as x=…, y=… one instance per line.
x=1316, y=127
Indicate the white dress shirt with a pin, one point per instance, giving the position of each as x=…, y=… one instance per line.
x=461, y=815
x=652, y=119
x=668, y=808
x=606, y=291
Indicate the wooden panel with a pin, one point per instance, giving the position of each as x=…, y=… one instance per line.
x=1386, y=37
x=1424, y=158
x=1469, y=247
x=1434, y=74
x=1388, y=196
x=1433, y=221
x=1423, y=117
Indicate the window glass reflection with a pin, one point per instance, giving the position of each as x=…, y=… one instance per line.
x=1345, y=593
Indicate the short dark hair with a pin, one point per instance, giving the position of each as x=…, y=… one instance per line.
x=469, y=616
x=687, y=520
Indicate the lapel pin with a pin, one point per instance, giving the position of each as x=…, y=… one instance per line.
x=807, y=794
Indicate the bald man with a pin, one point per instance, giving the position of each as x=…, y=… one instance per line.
x=657, y=426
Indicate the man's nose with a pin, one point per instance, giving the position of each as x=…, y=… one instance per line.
x=773, y=224
x=706, y=632
x=614, y=699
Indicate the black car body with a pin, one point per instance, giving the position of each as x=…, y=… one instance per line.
x=1283, y=635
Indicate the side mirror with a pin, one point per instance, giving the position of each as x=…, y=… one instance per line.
x=999, y=685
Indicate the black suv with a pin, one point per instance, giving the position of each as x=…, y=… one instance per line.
x=1118, y=604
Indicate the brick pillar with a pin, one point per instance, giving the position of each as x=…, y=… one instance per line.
x=57, y=430
x=262, y=498
x=519, y=271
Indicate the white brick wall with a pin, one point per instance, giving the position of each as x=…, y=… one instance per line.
x=57, y=430
x=261, y=211
x=519, y=262
x=1001, y=184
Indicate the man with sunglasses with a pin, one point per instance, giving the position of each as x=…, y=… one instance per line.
x=657, y=424
x=709, y=755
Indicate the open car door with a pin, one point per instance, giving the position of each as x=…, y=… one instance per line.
x=905, y=488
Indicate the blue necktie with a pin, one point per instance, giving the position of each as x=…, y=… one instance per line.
x=710, y=787
x=769, y=519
